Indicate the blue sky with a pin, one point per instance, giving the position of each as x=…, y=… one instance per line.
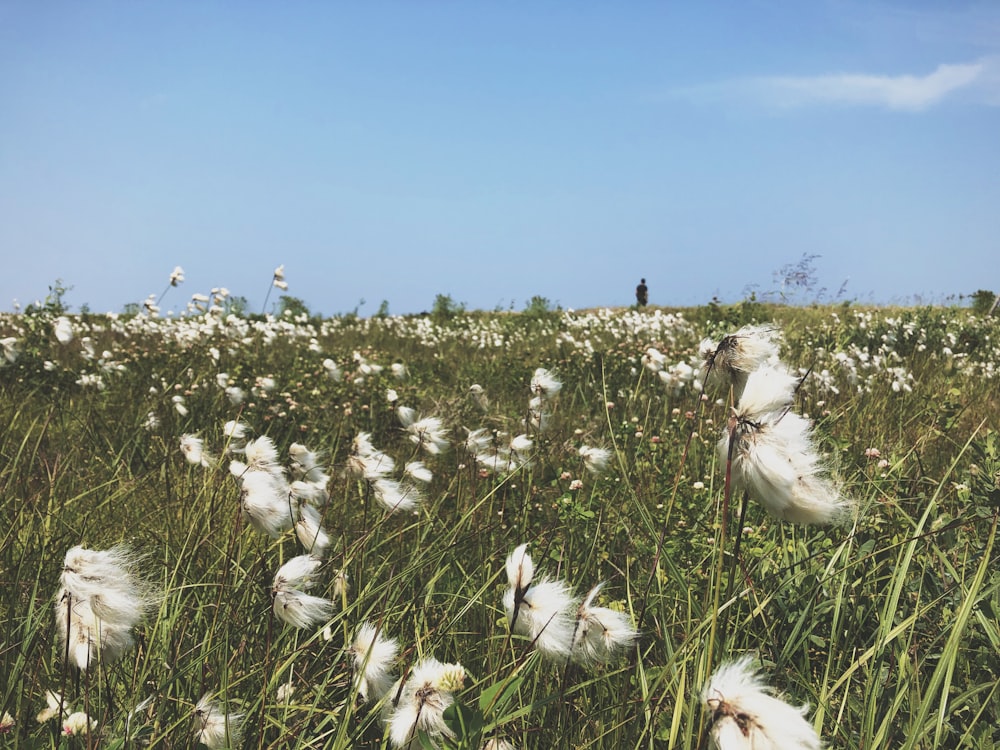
x=494, y=151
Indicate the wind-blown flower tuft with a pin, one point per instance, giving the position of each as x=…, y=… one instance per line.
x=545, y=385
x=520, y=569
x=372, y=655
x=601, y=634
x=290, y=602
x=98, y=604
x=745, y=713
x=419, y=471
x=423, y=699
x=594, y=459
x=738, y=354
x=774, y=459
x=309, y=530
x=541, y=610
x=215, y=728
x=429, y=432
x=193, y=448
x=264, y=500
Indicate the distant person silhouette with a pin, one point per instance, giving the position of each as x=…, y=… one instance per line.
x=641, y=293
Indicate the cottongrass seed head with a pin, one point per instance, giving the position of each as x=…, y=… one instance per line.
x=601, y=634
x=373, y=655
x=738, y=354
x=290, y=603
x=774, y=459
x=424, y=697
x=745, y=714
x=215, y=728
x=100, y=600
x=545, y=614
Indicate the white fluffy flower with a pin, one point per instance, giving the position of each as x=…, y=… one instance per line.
x=424, y=697
x=63, y=329
x=544, y=384
x=774, y=459
x=594, y=459
x=264, y=500
x=372, y=655
x=738, y=354
x=746, y=715
x=544, y=613
x=99, y=602
x=193, y=448
x=310, y=531
x=418, y=471
x=429, y=432
x=214, y=727
x=290, y=602
x=78, y=723
x=601, y=633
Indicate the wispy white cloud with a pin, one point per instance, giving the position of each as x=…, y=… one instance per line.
x=977, y=81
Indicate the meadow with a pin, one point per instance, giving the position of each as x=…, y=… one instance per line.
x=124, y=430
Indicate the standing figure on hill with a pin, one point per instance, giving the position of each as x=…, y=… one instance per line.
x=641, y=293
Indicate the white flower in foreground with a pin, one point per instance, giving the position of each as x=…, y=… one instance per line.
x=478, y=441
x=262, y=455
x=418, y=471
x=63, y=329
x=54, y=701
x=214, y=727
x=235, y=430
x=78, y=723
x=770, y=388
x=425, y=696
x=654, y=360
x=745, y=713
x=396, y=495
x=305, y=463
x=176, y=276
x=520, y=569
x=373, y=655
x=428, y=432
x=264, y=500
x=542, y=611
x=291, y=604
x=774, y=459
x=193, y=448
x=279, y=273
x=99, y=602
x=6, y=722
x=738, y=354
x=544, y=384
x=595, y=459
x=309, y=530
x=333, y=371
x=601, y=634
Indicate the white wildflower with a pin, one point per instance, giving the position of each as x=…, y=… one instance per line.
x=290, y=602
x=746, y=714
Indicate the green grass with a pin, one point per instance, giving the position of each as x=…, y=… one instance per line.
x=887, y=627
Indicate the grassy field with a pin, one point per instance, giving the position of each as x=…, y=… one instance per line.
x=887, y=625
